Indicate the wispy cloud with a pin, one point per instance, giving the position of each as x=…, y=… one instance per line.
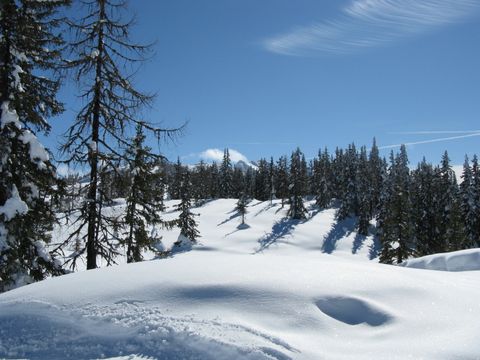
x=430, y=141
x=370, y=23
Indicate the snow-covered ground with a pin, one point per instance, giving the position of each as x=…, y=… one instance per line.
x=278, y=289
x=464, y=260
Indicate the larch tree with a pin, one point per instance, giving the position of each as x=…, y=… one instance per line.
x=104, y=63
x=30, y=51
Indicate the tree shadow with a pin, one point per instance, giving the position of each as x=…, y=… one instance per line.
x=358, y=242
x=338, y=231
x=375, y=248
x=268, y=207
x=230, y=218
x=280, y=229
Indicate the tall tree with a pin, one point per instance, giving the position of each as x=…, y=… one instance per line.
x=396, y=222
x=469, y=206
x=29, y=51
x=225, y=179
x=298, y=184
x=104, y=57
x=282, y=179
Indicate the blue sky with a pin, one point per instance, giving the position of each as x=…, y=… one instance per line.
x=262, y=77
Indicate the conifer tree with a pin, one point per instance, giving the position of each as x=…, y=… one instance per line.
x=238, y=182
x=349, y=205
x=262, y=181
x=448, y=206
x=225, y=176
x=144, y=201
x=242, y=207
x=176, y=179
x=321, y=178
x=469, y=206
x=103, y=59
x=377, y=169
x=186, y=220
x=281, y=179
x=363, y=192
x=271, y=180
x=297, y=186
x=424, y=211
x=214, y=181
x=396, y=222
x=29, y=51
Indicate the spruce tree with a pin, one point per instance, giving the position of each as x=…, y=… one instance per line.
x=103, y=59
x=186, y=220
x=363, y=192
x=262, y=181
x=448, y=206
x=424, y=208
x=242, y=207
x=282, y=179
x=376, y=171
x=396, y=226
x=29, y=51
x=144, y=201
x=225, y=176
x=321, y=178
x=469, y=206
x=175, y=180
x=298, y=183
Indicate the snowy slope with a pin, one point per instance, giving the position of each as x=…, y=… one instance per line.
x=276, y=290
x=464, y=260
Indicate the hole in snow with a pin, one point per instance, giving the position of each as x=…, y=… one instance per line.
x=352, y=311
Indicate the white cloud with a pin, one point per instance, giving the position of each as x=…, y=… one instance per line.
x=217, y=155
x=369, y=23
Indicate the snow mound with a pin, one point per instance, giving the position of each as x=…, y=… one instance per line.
x=353, y=311
x=464, y=260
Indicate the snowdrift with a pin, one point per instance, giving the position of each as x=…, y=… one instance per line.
x=275, y=290
x=464, y=260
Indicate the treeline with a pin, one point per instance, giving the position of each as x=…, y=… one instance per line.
x=417, y=212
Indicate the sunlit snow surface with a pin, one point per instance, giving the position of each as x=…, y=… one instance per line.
x=278, y=289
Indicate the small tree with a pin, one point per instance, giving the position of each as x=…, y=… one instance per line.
x=242, y=207
x=144, y=200
x=186, y=220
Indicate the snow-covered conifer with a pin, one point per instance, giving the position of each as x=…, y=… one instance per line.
x=29, y=50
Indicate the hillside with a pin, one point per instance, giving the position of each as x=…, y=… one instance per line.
x=279, y=289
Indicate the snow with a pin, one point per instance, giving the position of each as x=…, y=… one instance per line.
x=13, y=206
x=8, y=116
x=279, y=289
x=37, y=151
x=463, y=260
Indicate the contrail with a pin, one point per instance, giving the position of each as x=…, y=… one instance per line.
x=430, y=141
x=429, y=132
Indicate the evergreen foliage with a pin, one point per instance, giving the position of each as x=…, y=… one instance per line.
x=186, y=220
x=30, y=46
x=144, y=202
